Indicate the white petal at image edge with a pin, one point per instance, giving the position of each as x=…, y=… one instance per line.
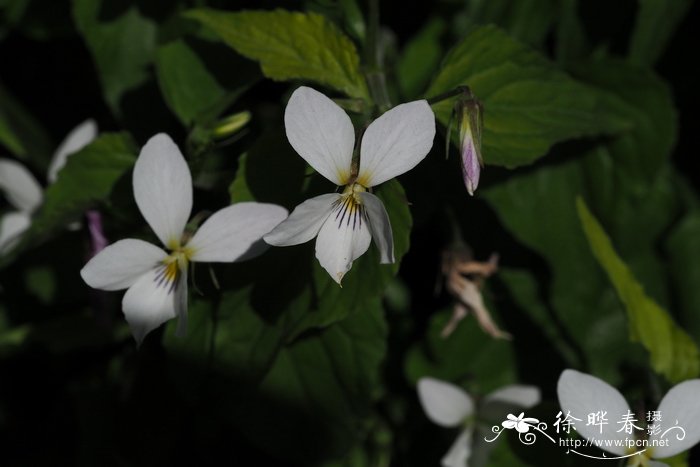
x=379, y=226
x=681, y=405
x=12, y=225
x=341, y=241
x=121, y=264
x=235, y=231
x=149, y=303
x=163, y=188
x=321, y=133
x=20, y=187
x=304, y=222
x=460, y=451
x=396, y=142
x=445, y=404
x=77, y=139
x=582, y=394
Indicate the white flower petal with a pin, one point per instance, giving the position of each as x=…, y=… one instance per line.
x=509, y=424
x=581, y=394
x=150, y=302
x=77, y=139
x=12, y=225
x=321, y=132
x=396, y=142
x=20, y=187
x=121, y=264
x=163, y=188
x=509, y=399
x=656, y=464
x=304, y=222
x=680, y=404
x=445, y=404
x=459, y=453
x=379, y=226
x=235, y=232
x=343, y=238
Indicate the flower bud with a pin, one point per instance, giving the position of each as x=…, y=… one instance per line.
x=470, y=119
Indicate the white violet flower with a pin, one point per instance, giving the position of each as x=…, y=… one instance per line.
x=344, y=223
x=449, y=406
x=581, y=394
x=24, y=192
x=157, y=280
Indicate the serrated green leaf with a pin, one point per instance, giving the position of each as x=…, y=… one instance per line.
x=290, y=45
x=655, y=24
x=122, y=42
x=529, y=104
x=673, y=353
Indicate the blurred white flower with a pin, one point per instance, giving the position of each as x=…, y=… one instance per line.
x=449, y=406
x=345, y=223
x=582, y=394
x=157, y=280
x=23, y=191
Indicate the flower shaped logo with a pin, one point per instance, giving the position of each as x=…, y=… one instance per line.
x=522, y=425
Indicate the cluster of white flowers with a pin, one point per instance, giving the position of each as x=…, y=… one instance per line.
x=344, y=222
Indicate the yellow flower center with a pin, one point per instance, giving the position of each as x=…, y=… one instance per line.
x=170, y=270
x=348, y=208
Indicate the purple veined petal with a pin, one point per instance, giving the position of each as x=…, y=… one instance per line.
x=121, y=264
x=343, y=237
x=156, y=297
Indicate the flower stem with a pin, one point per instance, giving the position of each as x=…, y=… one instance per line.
x=375, y=75
x=463, y=90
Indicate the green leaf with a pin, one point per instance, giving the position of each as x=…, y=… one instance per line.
x=87, y=178
x=673, y=353
x=290, y=45
x=645, y=101
x=420, y=58
x=655, y=24
x=122, y=41
x=330, y=379
x=199, y=79
x=529, y=104
x=683, y=246
x=526, y=20
x=20, y=133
